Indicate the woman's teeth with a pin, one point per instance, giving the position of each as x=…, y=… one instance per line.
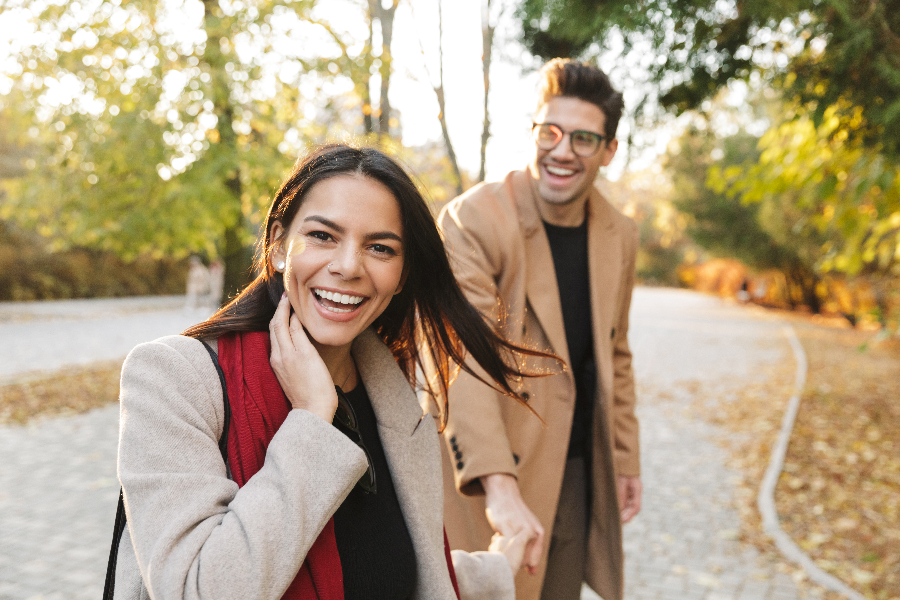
x=349, y=301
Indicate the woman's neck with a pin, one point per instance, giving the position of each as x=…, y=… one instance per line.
x=339, y=362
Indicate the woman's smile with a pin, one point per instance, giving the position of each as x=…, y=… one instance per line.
x=338, y=302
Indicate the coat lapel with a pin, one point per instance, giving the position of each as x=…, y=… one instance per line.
x=540, y=272
x=604, y=268
x=411, y=446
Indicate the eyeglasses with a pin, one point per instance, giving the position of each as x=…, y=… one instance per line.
x=345, y=417
x=583, y=143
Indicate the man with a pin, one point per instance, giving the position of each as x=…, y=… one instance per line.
x=547, y=259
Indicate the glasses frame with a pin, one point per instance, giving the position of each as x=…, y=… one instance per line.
x=561, y=133
x=345, y=417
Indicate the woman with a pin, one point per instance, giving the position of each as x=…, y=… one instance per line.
x=354, y=295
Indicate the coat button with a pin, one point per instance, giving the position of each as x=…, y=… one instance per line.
x=458, y=455
x=526, y=396
x=453, y=439
x=459, y=465
x=612, y=334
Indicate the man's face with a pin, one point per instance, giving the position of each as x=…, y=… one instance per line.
x=561, y=175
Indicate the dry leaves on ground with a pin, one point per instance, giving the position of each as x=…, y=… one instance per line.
x=839, y=497
x=839, y=494
x=72, y=390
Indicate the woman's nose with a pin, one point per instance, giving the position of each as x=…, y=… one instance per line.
x=347, y=263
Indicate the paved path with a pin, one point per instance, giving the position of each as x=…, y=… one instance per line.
x=682, y=546
x=58, y=487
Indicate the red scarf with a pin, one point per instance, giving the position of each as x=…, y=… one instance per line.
x=258, y=408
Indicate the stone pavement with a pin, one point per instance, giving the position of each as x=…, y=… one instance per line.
x=57, y=476
x=683, y=543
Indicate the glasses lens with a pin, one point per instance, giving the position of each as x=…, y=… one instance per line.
x=585, y=143
x=547, y=136
x=367, y=482
x=344, y=413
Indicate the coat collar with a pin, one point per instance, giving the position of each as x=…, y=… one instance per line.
x=603, y=255
x=411, y=446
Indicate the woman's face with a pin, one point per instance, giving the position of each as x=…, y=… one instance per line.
x=343, y=257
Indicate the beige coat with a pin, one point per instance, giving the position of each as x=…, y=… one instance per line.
x=193, y=534
x=502, y=259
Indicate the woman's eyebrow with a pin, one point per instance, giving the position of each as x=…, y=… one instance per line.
x=377, y=235
x=384, y=235
x=326, y=222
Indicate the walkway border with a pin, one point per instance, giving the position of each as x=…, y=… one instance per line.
x=765, y=501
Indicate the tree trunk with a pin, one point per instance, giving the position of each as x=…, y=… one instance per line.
x=442, y=115
x=365, y=86
x=487, y=44
x=235, y=254
x=386, y=16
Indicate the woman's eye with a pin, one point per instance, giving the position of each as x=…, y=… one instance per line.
x=382, y=249
x=320, y=235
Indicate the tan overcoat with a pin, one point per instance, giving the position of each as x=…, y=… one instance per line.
x=502, y=259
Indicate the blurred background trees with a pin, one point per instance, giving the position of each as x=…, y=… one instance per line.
x=762, y=131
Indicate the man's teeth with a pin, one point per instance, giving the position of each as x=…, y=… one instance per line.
x=339, y=298
x=559, y=171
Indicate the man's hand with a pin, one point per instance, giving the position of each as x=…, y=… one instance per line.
x=512, y=548
x=510, y=516
x=629, y=490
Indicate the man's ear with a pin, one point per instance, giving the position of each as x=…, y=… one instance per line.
x=609, y=152
x=278, y=252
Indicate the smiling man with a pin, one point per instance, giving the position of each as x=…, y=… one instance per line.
x=546, y=258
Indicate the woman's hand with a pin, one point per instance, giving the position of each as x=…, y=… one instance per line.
x=513, y=548
x=299, y=368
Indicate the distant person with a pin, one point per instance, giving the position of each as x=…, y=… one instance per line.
x=197, y=283
x=545, y=257
x=331, y=485
x=216, y=283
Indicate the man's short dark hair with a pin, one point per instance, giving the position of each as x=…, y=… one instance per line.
x=565, y=77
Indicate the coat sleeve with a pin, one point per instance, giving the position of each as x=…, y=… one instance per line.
x=195, y=534
x=483, y=576
x=475, y=434
x=626, y=453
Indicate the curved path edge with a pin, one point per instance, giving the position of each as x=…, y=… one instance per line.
x=766, y=499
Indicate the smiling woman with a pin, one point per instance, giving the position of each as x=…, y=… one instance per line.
x=320, y=475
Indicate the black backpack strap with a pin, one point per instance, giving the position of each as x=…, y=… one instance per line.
x=109, y=585
x=223, y=441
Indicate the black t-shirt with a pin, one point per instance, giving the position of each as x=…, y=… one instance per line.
x=377, y=556
x=570, y=259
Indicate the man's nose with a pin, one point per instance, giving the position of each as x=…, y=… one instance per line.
x=563, y=150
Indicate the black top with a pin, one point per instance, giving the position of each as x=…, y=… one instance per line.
x=570, y=259
x=377, y=556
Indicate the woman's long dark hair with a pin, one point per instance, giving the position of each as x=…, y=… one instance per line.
x=430, y=323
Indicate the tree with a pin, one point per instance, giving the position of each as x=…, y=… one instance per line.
x=820, y=51
x=759, y=234
x=828, y=188
x=487, y=46
x=162, y=128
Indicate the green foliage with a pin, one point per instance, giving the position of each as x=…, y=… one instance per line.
x=820, y=51
x=161, y=129
x=761, y=235
x=839, y=196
